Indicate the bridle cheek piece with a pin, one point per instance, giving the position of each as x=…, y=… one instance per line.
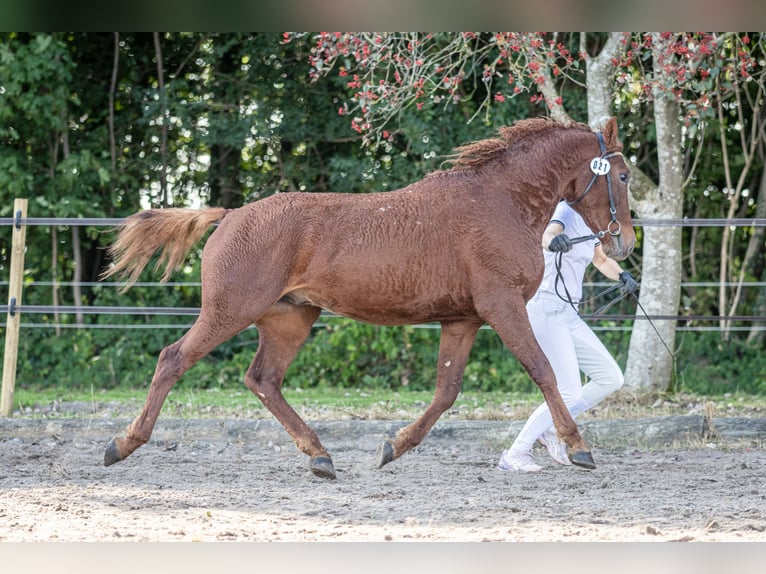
x=601, y=166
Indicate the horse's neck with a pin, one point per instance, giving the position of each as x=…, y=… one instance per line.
x=567, y=159
x=537, y=211
x=544, y=174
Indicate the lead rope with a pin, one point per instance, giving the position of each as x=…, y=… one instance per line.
x=568, y=298
x=640, y=306
x=603, y=308
x=560, y=277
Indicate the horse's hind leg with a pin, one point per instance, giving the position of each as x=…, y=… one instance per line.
x=174, y=361
x=281, y=332
x=454, y=348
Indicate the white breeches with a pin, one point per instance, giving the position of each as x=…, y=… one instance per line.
x=570, y=346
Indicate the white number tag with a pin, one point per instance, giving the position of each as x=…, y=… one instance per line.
x=600, y=166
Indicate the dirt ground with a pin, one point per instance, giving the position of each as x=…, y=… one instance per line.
x=214, y=480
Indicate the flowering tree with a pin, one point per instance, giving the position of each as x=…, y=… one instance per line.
x=390, y=72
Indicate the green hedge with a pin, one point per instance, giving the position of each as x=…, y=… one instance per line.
x=348, y=354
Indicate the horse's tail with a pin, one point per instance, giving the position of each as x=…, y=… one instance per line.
x=173, y=231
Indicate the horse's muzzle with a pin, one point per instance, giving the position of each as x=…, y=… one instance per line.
x=617, y=248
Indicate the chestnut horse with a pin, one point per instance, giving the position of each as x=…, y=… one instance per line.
x=460, y=247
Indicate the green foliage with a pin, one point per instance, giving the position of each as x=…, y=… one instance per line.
x=348, y=353
x=709, y=365
x=81, y=358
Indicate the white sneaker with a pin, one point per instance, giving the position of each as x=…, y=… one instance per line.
x=557, y=448
x=518, y=461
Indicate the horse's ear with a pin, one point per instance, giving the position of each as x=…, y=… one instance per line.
x=610, y=132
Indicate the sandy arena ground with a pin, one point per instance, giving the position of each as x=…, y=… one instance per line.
x=215, y=480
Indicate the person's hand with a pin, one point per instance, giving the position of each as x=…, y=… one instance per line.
x=628, y=285
x=560, y=244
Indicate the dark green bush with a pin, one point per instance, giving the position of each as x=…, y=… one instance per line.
x=708, y=365
x=348, y=354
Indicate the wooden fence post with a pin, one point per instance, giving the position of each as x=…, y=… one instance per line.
x=13, y=320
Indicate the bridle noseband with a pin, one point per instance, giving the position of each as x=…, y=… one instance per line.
x=601, y=166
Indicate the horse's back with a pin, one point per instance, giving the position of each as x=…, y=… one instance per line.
x=347, y=222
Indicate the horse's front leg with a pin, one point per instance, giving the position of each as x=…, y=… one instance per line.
x=512, y=324
x=454, y=348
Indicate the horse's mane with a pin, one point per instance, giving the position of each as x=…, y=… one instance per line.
x=478, y=153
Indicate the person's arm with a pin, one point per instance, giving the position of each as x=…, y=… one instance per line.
x=608, y=266
x=611, y=269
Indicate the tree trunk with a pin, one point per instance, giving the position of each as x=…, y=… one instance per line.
x=55, y=275
x=600, y=77
x=76, y=248
x=750, y=144
x=223, y=175
x=755, y=245
x=164, y=198
x=110, y=121
x=650, y=365
x=77, y=274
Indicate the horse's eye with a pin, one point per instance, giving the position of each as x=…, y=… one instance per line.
x=624, y=177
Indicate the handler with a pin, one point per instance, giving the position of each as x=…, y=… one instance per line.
x=567, y=341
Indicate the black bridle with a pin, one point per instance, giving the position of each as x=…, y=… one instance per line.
x=601, y=166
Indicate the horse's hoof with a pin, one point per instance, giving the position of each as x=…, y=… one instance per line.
x=112, y=453
x=385, y=454
x=583, y=459
x=322, y=467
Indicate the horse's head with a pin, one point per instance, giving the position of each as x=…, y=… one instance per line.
x=599, y=191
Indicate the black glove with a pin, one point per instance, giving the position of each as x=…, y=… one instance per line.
x=628, y=285
x=560, y=244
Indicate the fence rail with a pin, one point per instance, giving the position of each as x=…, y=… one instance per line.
x=122, y=310
x=638, y=222
x=15, y=308
x=62, y=221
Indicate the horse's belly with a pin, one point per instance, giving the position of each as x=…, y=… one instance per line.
x=383, y=309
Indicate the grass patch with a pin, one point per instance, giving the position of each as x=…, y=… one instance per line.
x=362, y=403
